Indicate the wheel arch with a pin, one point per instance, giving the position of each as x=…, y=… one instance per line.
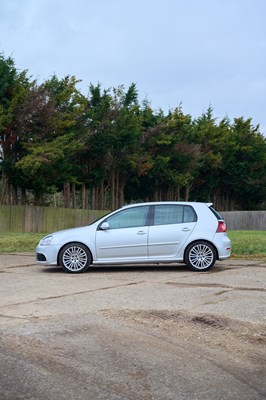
x=201, y=240
x=74, y=241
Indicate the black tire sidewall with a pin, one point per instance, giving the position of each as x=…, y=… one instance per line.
x=83, y=247
x=186, y=258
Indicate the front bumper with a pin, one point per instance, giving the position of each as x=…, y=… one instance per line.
x=47, y=255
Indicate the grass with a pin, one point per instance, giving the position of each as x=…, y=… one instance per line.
x=19, y=242
x=246, y=244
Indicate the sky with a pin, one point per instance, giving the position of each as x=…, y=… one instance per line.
x=193, y=53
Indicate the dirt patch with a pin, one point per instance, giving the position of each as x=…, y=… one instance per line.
x=234, y=336
x=137, y=354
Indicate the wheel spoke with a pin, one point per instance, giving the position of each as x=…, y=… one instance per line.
x=75, y=258
x=201, y=256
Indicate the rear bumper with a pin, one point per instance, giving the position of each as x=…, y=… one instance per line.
x=223, y=245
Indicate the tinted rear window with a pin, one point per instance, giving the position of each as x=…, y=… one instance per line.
x=217, y=215
x=173, y=214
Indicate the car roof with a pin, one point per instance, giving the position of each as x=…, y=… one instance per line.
x=150, y=203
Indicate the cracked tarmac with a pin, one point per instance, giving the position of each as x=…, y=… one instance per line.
x=134, y=332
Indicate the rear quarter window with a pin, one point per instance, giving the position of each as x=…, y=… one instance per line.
x=189, y=214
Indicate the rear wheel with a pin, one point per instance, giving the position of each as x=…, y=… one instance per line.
x=75, y=258
x=200, y=256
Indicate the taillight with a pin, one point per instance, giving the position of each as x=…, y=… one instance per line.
x=221, y=227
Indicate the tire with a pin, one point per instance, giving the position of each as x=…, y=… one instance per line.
x=200, y=256
x=75, y=258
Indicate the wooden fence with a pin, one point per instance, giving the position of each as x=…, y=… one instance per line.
x=245, y=220
x=44, y=219
x=47, y=219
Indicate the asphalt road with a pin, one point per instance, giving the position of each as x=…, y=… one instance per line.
x=118, y=333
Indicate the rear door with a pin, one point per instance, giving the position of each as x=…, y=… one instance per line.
x=171, y=228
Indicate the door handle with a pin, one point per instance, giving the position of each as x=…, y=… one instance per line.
x=186, y=230
x=141, y=233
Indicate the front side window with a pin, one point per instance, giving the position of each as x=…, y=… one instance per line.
x=129, y=218
x=173, y=214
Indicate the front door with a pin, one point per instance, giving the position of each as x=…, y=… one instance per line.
x=124, y=237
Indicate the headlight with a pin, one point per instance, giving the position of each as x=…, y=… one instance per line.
x=46, y=241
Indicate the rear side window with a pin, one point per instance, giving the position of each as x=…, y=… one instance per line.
x=173, y=214
x=189, y=214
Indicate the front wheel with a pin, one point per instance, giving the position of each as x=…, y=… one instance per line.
x=200, y=256
x=74, y=258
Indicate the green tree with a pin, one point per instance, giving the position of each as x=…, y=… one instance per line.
x=125, y=137
x=244, y=165
x=170, y=158
x=110, y=143
x=207, y=135
x=54, y=139
x=14, y=89
x=231, y=171
x=49, y=159
x=93, y=154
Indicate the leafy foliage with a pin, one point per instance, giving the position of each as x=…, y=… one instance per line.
x=106, y=148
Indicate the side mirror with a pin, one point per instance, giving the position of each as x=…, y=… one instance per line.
x=105, y=226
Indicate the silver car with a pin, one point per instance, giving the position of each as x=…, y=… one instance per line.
x=160, y=232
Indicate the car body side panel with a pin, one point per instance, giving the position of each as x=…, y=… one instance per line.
x=119, y=244
x=165, y=241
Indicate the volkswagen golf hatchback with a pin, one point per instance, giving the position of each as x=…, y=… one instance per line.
x=162, y=232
